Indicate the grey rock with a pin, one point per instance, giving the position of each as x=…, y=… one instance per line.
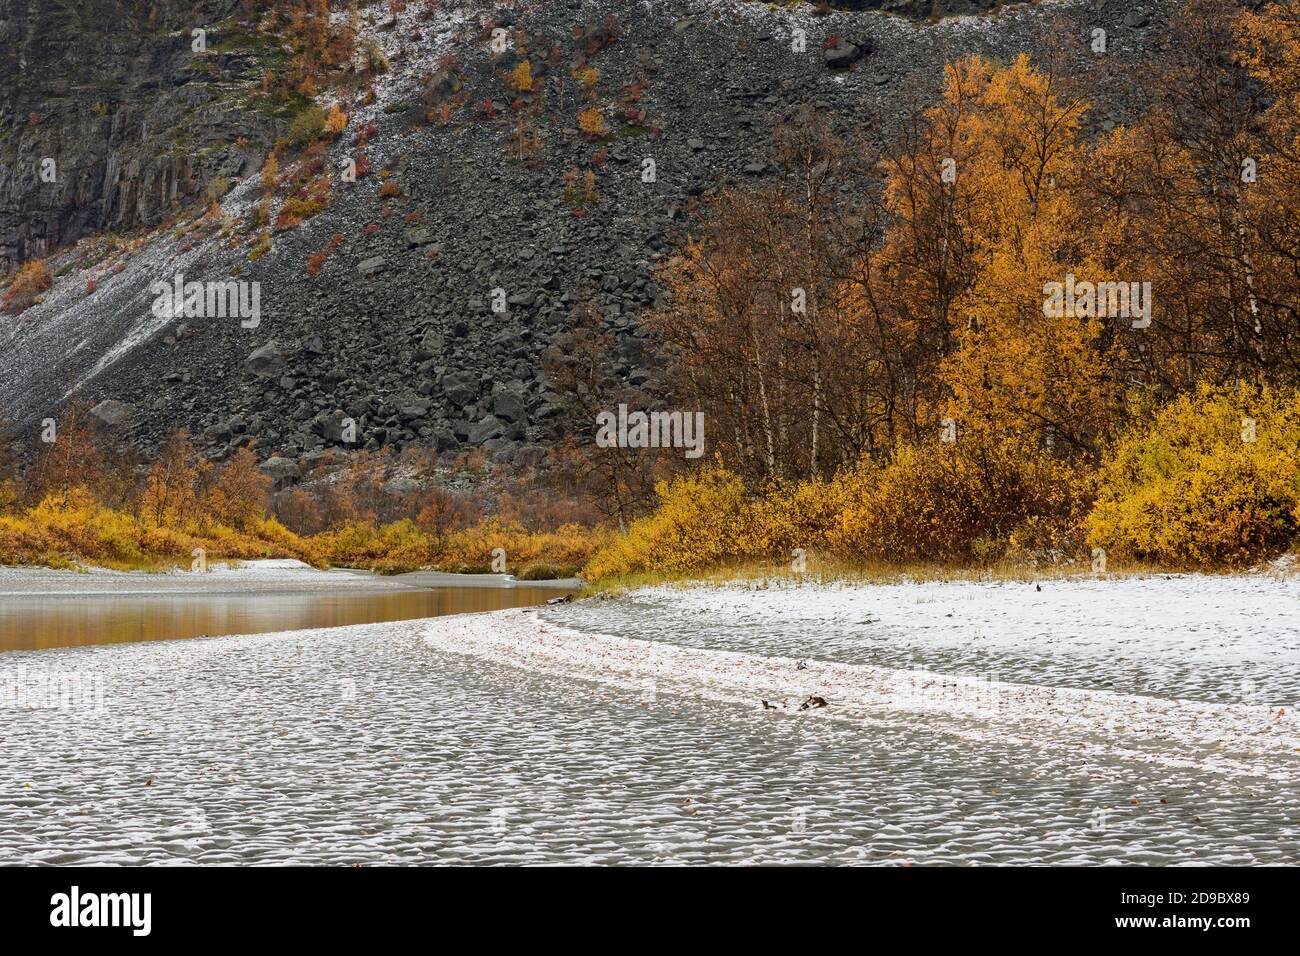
x=331, y=425
x=510, y=406
x=265, y=362
x=443, y=85
x=461, y=388
x=403, y=487
x=113, y=413
x=417, y=237
x=282, y=471
x=484, y=430
x=843, y=55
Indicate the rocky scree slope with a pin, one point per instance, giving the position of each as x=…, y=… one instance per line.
x=397, y=330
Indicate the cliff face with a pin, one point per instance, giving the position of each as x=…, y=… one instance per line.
x=108, y=120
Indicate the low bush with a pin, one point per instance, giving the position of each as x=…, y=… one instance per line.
x=80, y=528
x=25, y=290
x=307, y=126
x=700, y=523
x=977, y=499
x=295, y=211
x=336, y=122
x=1213, y=480
x=405, y=546
x=544, y=571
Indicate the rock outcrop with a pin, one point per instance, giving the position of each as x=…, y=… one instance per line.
x=110, y=120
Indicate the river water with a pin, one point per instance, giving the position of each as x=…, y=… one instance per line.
x=369, y=745
x=30, y=622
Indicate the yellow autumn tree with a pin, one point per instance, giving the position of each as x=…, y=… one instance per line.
x=237, y=495
x=270, y=173
x=522, y=80
x=1269, y=181
x=1009, y=397
x=592, y=123
x=1204, y=188
x=170, y=497
x=1022, y=368
x=336, y=122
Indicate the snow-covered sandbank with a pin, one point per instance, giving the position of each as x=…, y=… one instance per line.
x=1212, y=638
x=445, y=579
x=1236, y=739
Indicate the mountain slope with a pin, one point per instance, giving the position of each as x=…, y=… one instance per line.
x=396, y=330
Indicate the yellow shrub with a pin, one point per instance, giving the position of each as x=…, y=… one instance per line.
x=295, y=210
x=802, y=516
x=283, y=541
x=707, y=520
x=336, y=122
x=404, y=546
x=25, y=290
x=592, y=123
x=82, y=529
x=362, y=543
x=22, y=543
x=975, y=499
x=1191, y=489
x=700, y=523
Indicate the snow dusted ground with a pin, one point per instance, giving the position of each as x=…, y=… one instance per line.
x=1203, y=637
x=512, y=738
x=1235, y=739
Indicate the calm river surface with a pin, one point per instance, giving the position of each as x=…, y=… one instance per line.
x=34, y=622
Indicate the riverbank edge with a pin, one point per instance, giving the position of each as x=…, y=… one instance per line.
x=758, y=574
x=272, y=576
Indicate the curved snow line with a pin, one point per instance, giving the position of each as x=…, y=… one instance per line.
x=1232, y=739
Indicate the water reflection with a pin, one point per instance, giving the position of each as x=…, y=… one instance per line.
x=33, y=623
